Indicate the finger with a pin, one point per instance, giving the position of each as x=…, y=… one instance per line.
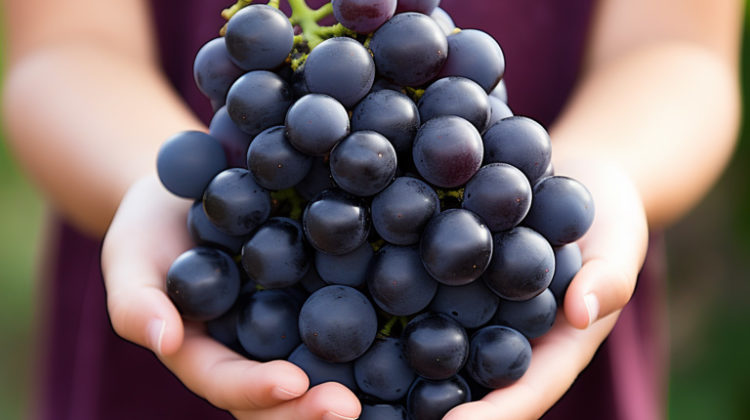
x=558, y=359
x=328, y=401
x=598, y=289
x=134, y=266
x=231, y=381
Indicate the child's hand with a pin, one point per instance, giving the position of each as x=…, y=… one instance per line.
x=148, y=232
x=613, y=251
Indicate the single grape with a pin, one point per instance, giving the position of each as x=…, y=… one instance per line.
x=409, y=49
x=391, y=114
x=444, y=20
x=383, y=412
x=474, y=54
x=315, y=123
x=499, y=356
x=456, y=247
x=319, y=371
x=448, y=151
x=203, y=283
x=521, y=142
x=187, y=162
x=383, y=372
x=562, y=211
x=457, y=96
x=522, y=265
x=311, y=281
x=204, y=233
x=363, y=163
x=234, y=141
x=363, y=16
x=235, y=203
x=274, y=163
x=317, y=179
x=398, y=281
x=214, y=71
x=342, y=68
x=500, y=110
x=348, y=269
x=259, y=37
x=276, y=254
x=567, y=263
x=336, y=222
x=500, y=194
x=401, y=211
x=431, y=400
x=500, y=91
x=532, y=318
x=435, y=345
x=421, y=6
x=472, y=305
x=338, y=323
x=258, y=100
x=267, y=325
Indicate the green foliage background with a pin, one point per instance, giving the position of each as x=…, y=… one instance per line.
x=708, y=290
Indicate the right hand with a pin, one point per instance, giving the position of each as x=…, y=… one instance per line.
x=147, y=233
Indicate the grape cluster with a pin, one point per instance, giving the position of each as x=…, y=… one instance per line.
x=368, y=207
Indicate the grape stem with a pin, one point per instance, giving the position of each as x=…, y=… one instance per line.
x=307, y=19
x=386, y=330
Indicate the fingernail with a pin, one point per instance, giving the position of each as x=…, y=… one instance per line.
x=592, y=307
x=284, y=394
x=334, y=416
x=155, y=333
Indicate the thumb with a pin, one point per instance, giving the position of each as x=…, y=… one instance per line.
x=598, y=289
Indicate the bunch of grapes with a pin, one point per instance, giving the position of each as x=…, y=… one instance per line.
x=367, y=205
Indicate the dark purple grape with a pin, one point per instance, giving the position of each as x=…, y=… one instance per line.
x=409, y=49
x=383, y=412
x=312, y=281
x=348, y=269
x=398, y=282
x=276, y=255
x=474, y=54
x=391, y=114
x=521, y=142
x=188, y=161
x=435, y=346
x=203, y=283
x=204, y=233
x=364, y=163
x=443, y=20
x=234, y=141
x=562, y=211
x=336, y=222
x=401, y=211
x=363, y=16
x=567, y=263
x=338, y=323
x=500, y=194
x=258, y=100
x=383, y=372
x=522, y=265
x=421, y=6
x=315, y=123
x=472, y=305
x=532, y=318
x=274, y=163
x=456, y=247
x=448, y=151
x=457, y=96
x=342, y=68
x=317, y=179
x=259, y=37
x=500, y=110
x=267, y=325
x=499, y=356
x=224, y=328
x=319, y=371
x=431, y=400
x=214, y=71
x=235, y=203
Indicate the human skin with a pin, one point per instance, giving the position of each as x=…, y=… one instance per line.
x=648, y=130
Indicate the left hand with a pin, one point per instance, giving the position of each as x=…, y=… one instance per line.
x=613, y=252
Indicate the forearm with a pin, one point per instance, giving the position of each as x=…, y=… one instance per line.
x=666, y=114
x=86, y=121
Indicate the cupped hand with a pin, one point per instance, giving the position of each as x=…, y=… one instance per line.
x=147, y=234
x=613, y=251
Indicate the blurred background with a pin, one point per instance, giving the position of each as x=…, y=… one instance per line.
x=709, y=285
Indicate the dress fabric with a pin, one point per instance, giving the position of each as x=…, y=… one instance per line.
x=88, y=372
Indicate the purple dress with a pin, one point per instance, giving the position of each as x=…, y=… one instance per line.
x=88, y=372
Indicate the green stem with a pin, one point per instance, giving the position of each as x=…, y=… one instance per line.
x=386, y=330
x=323, y=12
x=274, y=3
x=230, y=11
